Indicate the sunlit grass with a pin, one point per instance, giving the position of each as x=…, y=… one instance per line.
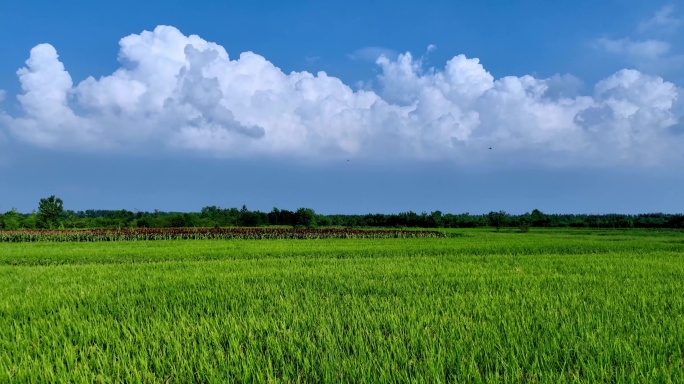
x=483, y=307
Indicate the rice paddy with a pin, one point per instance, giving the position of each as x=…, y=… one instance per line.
x=474, y=306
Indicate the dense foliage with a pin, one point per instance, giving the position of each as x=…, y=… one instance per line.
x=50, y=211
x=307, y=218
x=556, y=306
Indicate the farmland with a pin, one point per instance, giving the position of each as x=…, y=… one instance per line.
x=145, y=234
x=474, y=306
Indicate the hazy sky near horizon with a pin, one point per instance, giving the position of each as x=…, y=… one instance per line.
x=344, y=107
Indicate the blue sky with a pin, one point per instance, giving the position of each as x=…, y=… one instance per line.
x=177, y=105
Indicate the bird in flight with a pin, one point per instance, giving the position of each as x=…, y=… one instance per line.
x=490, y=147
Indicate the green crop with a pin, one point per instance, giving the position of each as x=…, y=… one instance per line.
x=543, y=306
x=146, y=234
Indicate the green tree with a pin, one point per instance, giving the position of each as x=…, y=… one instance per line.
x=274, y=216
x=49, y=211
x=250, y=218
x=524, y=222
x=497, y=219
x=323, y=221
x=436, y=220
x=305, y=217
x=539, y=219
x=29, y=221
x=11, y=220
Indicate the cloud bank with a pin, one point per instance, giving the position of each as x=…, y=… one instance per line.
x=182, y=93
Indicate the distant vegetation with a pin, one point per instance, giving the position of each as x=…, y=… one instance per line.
x=51, y=215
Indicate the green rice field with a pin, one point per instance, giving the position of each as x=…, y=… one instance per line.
x=547, y=306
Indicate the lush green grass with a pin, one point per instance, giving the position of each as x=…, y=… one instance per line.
x=544, y=306
x=474, y=242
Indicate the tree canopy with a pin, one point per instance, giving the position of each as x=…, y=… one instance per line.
x=49, y=211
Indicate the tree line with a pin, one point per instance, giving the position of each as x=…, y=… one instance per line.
x=52, y=215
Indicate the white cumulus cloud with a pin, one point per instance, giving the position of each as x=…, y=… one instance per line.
x=182, y=93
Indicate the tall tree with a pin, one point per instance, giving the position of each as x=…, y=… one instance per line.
x=10, y=220
x=497, y=219
x=305, y=217
x=49, y=211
